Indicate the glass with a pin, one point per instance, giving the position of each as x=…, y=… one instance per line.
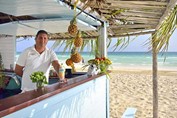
x=61, y=73
x=11, y=67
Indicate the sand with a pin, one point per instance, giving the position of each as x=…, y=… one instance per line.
x=133, y=88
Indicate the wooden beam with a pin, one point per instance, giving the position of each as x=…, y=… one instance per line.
x=137, y=21
x=133, y=26
x=145, y=12
x=130, y=6
x=126, y=31
x=152, y=3
x=137, y=18
x=133, y=34
x=109, y=36
x=84, y=38
x=145, y=15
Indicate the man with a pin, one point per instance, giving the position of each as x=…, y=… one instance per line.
x=36, y=58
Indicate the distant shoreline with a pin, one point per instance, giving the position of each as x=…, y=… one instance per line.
x=111, y=52
x=128, y=60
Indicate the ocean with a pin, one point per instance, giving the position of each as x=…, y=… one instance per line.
x=129, y=59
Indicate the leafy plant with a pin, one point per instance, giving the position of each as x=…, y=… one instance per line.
x=2, y=81
x=39, y=78
x=2, y=76
x=101, y=63
x=1, y=63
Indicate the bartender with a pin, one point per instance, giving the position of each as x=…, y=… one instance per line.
x=36, y=58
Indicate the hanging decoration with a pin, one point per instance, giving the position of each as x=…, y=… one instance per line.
x=78, y=41
x=75, y=57
x=72, y=29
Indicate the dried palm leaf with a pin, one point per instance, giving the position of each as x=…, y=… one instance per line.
x=123, y=42
x=162, y=36
x=91, y=3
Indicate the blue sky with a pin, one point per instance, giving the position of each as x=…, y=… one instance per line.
x=136, y=46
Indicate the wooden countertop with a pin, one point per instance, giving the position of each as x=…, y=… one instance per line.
x=22, y=100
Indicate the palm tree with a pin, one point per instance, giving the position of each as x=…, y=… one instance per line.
x=160, y=42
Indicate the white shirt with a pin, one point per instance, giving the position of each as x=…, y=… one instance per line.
x=33, y=62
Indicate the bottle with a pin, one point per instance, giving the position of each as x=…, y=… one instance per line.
x=61, y=73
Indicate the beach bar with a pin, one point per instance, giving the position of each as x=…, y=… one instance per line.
x=82, y=96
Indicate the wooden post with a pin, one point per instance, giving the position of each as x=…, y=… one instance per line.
x=155, y=80
x=102, y=40
x=102, y=52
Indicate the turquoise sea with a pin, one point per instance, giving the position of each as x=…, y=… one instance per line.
x=129, y=59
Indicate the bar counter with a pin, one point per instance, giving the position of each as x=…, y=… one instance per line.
x=20, y=101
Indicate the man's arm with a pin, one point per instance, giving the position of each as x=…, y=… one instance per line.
x=56, y=65
x=19, y=70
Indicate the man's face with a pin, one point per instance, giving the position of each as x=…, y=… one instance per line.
x=41, y=40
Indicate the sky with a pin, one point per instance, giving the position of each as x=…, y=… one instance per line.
x=135, y=46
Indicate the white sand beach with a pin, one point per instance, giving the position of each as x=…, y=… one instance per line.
x=133, y=88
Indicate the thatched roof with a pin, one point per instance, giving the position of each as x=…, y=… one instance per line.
x=125, y=17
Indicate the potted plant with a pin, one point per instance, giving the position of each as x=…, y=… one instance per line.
x=2, y=76
x=2, y=82
x=101, y=63
x=39, y=78
x=1, y=63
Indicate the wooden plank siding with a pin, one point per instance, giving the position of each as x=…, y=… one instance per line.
x=8, y=50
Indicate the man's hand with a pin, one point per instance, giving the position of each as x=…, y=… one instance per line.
x=63, y=80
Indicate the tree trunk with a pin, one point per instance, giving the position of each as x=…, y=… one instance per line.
x=155, y=81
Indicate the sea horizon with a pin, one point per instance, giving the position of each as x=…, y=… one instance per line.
x=128, y=59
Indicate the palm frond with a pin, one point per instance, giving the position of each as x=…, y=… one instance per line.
x=162, y=36
x=109, y=42
x=85, y=43
x=122, y=43
x=97, y=53
x=68, y=44
x=56, y=44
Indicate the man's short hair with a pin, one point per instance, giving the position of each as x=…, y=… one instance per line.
x=41, y=32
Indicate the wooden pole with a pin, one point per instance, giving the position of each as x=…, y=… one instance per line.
x=155, y=80
x=102, y=41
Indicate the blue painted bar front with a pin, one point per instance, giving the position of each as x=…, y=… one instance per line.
x=87, y=100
